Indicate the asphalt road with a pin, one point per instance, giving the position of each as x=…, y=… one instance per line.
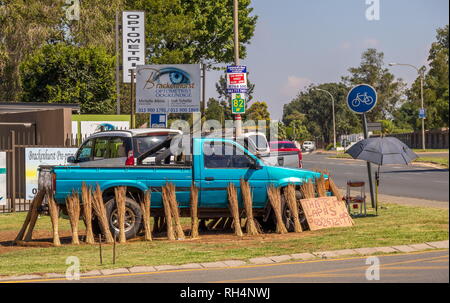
x=396, y=180
x=428, y=267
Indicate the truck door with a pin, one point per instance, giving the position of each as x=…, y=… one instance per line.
x=225, y=163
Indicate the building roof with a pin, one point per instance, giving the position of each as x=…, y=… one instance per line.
x=19, y=107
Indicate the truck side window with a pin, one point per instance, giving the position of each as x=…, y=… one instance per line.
x=225, y=155
x=85, y=152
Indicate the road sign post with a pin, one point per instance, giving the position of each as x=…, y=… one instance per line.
x=361, y=99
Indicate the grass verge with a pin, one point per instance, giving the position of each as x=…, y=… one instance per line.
x=434, y=160
x=395, y=225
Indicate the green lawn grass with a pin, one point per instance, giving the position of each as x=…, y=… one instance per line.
x=436, y=150
x=434, y=160
x=395, y=225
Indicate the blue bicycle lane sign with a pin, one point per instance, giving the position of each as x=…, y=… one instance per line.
x=362, y=98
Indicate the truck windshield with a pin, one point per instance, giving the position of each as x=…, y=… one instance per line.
x=143, y=144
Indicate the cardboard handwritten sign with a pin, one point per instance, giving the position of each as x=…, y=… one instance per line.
x=325, y=212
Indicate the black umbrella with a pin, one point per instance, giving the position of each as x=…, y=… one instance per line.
x=382, y=150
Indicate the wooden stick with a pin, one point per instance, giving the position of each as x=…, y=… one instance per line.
x=86, y=195
x=247, y=197
x=168, y=213
x=175, y=211
x=194, y=211
x=145, y=208
x=54, y=214
x=289, y=194
x=73, y=209
x=120, y=204
x=275, y=201
x=100, y=211
x=32, y=214
x=234, y=208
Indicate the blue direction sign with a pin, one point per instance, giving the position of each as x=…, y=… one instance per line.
x=362, y=98
x=158, y=120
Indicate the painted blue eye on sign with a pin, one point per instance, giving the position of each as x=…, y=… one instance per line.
x=362, y=98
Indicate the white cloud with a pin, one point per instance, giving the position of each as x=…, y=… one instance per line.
x=345, y=45
x=293, y=85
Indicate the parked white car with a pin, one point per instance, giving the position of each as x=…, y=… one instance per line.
x=308, y=146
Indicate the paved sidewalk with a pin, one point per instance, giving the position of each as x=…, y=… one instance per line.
x=253, y=261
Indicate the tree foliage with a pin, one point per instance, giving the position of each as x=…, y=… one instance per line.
x=63, y=73
x=258, y=111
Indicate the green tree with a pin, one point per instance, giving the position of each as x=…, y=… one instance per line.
x=313, y=109
x=214, y=111
x=258, y=111
x=298, y=131
x=63, y=73
x=278, y=131
x=24, y=27
x=389, y=90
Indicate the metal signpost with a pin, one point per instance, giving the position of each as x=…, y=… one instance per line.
x=361, y=99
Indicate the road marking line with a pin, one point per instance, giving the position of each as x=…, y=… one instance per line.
x=413, y=267
x=231, y=267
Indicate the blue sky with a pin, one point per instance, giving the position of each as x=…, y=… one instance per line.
x=298, y=42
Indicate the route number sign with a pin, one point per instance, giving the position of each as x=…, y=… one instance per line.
x=238, y=103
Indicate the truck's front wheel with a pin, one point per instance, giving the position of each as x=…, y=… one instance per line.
x=133, y=217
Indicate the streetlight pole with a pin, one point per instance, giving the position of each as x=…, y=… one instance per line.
x=334, y=116
x=420, y=72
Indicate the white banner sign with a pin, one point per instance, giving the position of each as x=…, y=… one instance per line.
x=42, y=156
x=3, y=178
x=90, y=127
x=168, y=88
x=133, y=42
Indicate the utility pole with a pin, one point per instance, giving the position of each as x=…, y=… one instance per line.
x=334, y=116
x=204, y=88
x=133, y=94
x=237, y=118
x=117, y=65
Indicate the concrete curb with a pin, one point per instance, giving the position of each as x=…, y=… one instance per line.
x=364, y=251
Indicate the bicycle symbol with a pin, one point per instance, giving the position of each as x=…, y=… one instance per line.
x=362, y=98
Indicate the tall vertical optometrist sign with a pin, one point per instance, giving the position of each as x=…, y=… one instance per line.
x=133, y=42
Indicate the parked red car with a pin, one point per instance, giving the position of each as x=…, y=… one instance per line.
x=287, y=146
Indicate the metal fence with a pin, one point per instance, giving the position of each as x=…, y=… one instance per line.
x=14, y=145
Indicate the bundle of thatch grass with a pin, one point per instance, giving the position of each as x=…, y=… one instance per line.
x=234, y=208
x=120, y=194
x=307, y=190
x=54, y=215
x=175, y=211
x=145, y=208
x=73, y=210
x=86, y=195
x=248, y=199
x=320, y=185
x=100, y=211
x=168, y=213
x=335, y=190
x=275, y=202
x=194, y=211
x=30, y=220
x=289, y=194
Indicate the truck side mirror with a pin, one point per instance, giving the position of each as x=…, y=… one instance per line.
x=71, y=159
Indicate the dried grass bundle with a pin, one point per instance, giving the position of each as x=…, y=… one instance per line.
x=175, y=211
x=335, y=190
x=120, y=193
x=234, y=208
x=194, y=211
x=100, y=211
x=320, y=185
x=168, y=212
x=86, y=195
x=275, y=202
x=30, y=220
x=54, y=215
x=307, y=189
x=73, y=210
x=145, y=208
x=289, y=194
x=248, y=204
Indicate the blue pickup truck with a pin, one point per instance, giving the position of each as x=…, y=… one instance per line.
x=211, y=165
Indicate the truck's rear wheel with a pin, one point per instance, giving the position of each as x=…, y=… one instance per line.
x=133, y=217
